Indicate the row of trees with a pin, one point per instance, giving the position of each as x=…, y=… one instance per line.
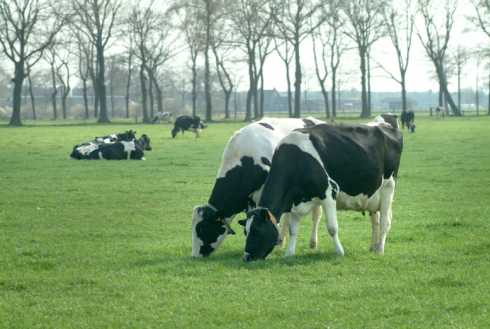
x=79, y=35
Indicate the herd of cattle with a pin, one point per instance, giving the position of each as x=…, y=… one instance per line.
x=125, y=146
x=285, y=168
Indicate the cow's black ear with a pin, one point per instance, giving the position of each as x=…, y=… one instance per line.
x=220, y=214
x=242, y=222
x=264, y=213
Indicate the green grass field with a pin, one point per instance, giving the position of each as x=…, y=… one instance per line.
x=106, y=244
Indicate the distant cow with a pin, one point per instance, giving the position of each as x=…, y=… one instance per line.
x=167, y=116
x=188, y=123
x=408, y=119
x=440, y=112
x=340, y=167
x=124, y=150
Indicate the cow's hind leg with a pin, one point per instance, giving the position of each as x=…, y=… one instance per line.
x=387, y=191
x=293, y=234
x=375, y=229
x=316, y=214
x=284, y=230
x=330, y=209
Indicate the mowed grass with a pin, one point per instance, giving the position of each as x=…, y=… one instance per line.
x=98, y=244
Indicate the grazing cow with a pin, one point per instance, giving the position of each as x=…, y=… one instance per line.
x=188, y=123
x=244, y=168
x=408, y=119
x=440, y=112
x=389, y=118
x=124, y=150
x=167, y=116
x=340, y=167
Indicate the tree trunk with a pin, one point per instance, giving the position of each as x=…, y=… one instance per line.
x=18, y=82
x=55, y=92
x=128, y=84
x=447, y=95
x=207, y=82
x=334, y=98
x=404, y=91
x=85, y=98
x=290, y=95
x=227, y=103
x=32, y=97
x=194, y=87
x=248, y=110
x=144, y=94
x=261, y=114
x=297, y=82
x=150, y=94
x=103, y=118
x=365, y=110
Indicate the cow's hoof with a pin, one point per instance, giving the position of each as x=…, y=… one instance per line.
x=313, y=245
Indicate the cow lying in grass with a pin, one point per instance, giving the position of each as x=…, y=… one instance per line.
x=124, y=150
x=79, y=151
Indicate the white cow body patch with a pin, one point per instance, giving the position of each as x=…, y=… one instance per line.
x=129, y=147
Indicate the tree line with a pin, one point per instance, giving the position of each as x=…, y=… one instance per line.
x=75, y=38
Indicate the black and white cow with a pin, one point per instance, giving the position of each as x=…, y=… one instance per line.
x=124, y=150
x=440, y=112
x=408, y=119
x=79, y=151
x=390, y=118
x=188, y=123
x=244, y=168
x=167, y=116
x=340, y=167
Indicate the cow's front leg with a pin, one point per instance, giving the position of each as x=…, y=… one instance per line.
x=316, y=214
x=375, y=230
x=330, y=209
x=293, y=234
x=284, y=230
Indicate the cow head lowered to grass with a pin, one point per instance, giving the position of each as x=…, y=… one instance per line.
x=243, y=171
x=341, y=167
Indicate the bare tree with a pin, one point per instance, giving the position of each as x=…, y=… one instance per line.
x=399, y=18
x=144, y=24
x=96, y=19
x=322, y=74
x=250, y=20
x=193, y=27
x=366, y=27
x=482, y=8
x=460, y=57
x=293, y=19
x=63, y=74
x=27, y=28
x=286, y=53
x=435, y=40
x=338, y=46
x=223, y=46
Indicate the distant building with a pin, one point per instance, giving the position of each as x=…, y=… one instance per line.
x=395, y=103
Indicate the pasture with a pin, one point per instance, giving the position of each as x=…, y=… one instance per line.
x=98, y=244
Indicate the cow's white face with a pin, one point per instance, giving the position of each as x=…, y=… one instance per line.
x=208, y=232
